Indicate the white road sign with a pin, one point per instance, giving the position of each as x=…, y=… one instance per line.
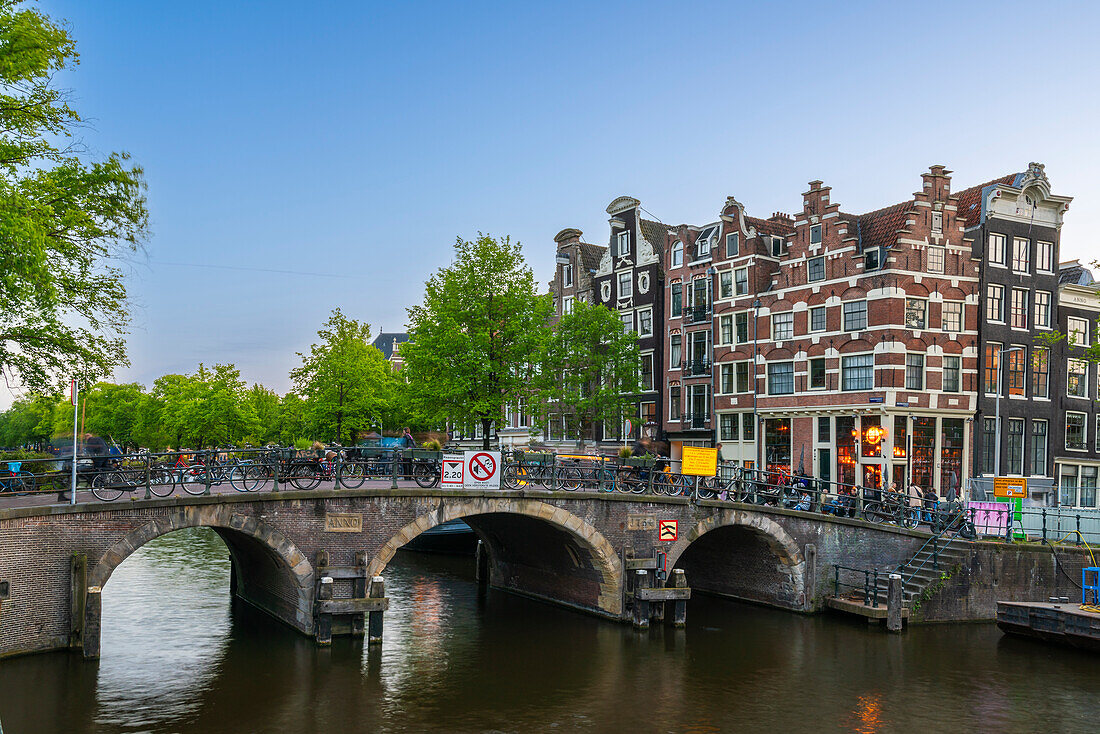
x=482, y=470
x=453, y=471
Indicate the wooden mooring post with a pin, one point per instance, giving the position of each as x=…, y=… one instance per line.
x=641, y=604
x=893, y=603
x=679, y=606
x=374, y=623
x=324, y=618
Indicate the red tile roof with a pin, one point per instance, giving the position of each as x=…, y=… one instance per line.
x=879, y=227
x=769, y=226
x=970, y=200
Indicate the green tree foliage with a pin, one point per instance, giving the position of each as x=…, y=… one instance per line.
x=64, y=221
x=207, y=408
x=474, y=339
x=345, y=380
x=30, y=421
x=588, y=370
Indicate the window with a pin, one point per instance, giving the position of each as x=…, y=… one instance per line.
x=1067, y=490
x=674, y=347
x=824, y=430
x=677, y=299
x=1038, y=448
x=741, y=281
x=1078, y=331
x=1019, y=308
x=937, y=222
x=725, y=382
x=915, y=309
x=647, y=372
x=741, y=375
x=732, y=244
x=952, y=373
x=700, y=291
x=817, y=373
x=857, y=372
x=628, y=320
x=567, y=304
x=702, y=245
x=914, y=371
x=997, y=249
x=817, y=318
x=781, y=378
x=1016, y=371
x=989, y=445
x=626, y=285
x=1040, y=371
x=725, y=284
x=855, y=315
x=1077, y=385
x=815, y=269
x=1075, y=431
x=1015, y=453
x=782, y=326
x=779, y=246
x=677, y=254
x=952, y=316
x=992, y=364
x=698, y=395
x=645, y=322
x=815, y=234
x=1042, y=309
x=1088, y=486
x=624, y=244
x=1044, y=256
x=748, y=426
x=936, y=259
x=674, y=403
x=567, y=275
x=728, y=427
x=1021, y=255
x=741, y=327
x=995, y=303
x=872, y=259
x=725, y=329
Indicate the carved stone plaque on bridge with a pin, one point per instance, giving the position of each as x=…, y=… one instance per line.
x=343, y=522
x=641, y=522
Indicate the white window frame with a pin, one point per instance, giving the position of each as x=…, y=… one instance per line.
x=810, y=319
x=911, y=357
x=788, y=319
x=567, y=276
x=997, y=249
x=626, y=279
x=768, y=377
x=677, y=256
x=736, y=290
x=641, y=312
x=810, y=373
x=674, y=364
x=652, y=371
x=566, y=305
x=957, y=370
x=815, y=234
x=1017, y=317
x=779, y=246
x=937, y=222
x=725, y=278
x=843, y=381
x=937, y=257
x=748, y=376
x=1042, y=312
x=1084, y=430
x=1047, y=249
x=809, y=269
x=735, y=238
x=844, y=315
x=722, y=321
x=961, y=314
x=1072, y=324
x=923, y=303
x=627, y=319
x=999, y=300
x=622, y=244
x=1021, y=255
x=1083, y=365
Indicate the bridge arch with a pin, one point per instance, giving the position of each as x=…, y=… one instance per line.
x=745, y=555
x=580, y=559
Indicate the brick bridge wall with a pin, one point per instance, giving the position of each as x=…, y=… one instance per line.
x=559, y=546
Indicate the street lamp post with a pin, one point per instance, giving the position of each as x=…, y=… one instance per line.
x=1000, y=369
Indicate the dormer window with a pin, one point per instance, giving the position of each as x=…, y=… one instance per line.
x=779, y=246
x=872, y=258
x=815, y=234
x=702, y=245
x=624, y=244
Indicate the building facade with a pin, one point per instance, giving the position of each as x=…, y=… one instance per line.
x=1075, y=425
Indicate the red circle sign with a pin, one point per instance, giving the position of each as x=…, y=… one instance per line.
x=482, y=466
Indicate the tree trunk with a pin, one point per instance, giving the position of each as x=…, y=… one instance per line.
x=485, y=423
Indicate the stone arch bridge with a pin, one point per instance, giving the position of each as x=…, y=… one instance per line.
x=571, y=548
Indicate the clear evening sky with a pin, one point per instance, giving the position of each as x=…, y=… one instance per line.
x=356, y=140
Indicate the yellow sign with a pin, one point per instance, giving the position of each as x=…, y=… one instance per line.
x=343, y=522
x=1009, y=487
x=699, y=462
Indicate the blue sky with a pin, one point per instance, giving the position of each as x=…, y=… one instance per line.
x=358, y=139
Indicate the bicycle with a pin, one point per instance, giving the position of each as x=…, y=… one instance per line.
x=894, y=509
x=18, y=480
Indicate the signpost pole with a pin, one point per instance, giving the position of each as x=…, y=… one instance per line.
x=75, y=397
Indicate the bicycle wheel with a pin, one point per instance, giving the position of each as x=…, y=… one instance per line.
x=305, y=476
x=193, y=480
x=570, y=479
x=872, y=512
x=425, y=474
x=509, y=478
x=707, y=488
x=353, y=474
x=242, y=479
x=107, y=486
x=910, y=517
x=162, y=482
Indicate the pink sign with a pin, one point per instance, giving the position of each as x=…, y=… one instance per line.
x=991, y=518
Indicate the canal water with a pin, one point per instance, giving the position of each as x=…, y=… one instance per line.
x=179, y=657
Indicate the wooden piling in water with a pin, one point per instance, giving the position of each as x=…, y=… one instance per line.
x=679, y=607
x=374, y=623
x=641, y=606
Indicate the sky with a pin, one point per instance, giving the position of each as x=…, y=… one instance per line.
x=306, y=156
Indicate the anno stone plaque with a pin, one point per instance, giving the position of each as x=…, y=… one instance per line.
x=343, y=522
x=641, y=522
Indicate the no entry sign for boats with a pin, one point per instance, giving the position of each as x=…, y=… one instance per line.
x=482, y=470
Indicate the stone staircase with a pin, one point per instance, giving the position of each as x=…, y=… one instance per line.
x=922, y=570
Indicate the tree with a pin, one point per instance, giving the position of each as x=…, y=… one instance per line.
x=63, y=221
x=588, y=370
x=474, y=339
x=345, y=380
x=265, y=406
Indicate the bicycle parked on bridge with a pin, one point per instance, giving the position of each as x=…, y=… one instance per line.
x=16, y=480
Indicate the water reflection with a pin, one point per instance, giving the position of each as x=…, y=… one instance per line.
x=177, y=657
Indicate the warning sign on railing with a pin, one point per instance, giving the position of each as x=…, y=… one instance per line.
x=482, y=470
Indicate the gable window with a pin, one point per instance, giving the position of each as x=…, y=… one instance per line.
x=855, y=315
x=567, y=276
x=1042, y=309
x=677, y=299
x=1078, y=331
x=725, y=329
x=937, y=222
x=1016, y=371
x=935, y=259
x=857, y=372
x=742, y=377
x=952, y=316
x=1044, y=256
x=623, y=244
x=915, y=312
x=1019, y=308
x=815, y=269
x=741, y=281
x=1077, y=384
x=733, y=244
x=817, y=373
x=914, y=371
x=997, y=249
x=783, y=326
x=815, y=234
x=992, y=365
x=626, y=285
x=817, y=318
x=779, y=246
x=1040, y=371
x=872, y=258
x=645, y=322
x=781, y=378
x=995, y=303
x=952, y=372
x=725, y=284
x=1075, y=431
x=677, y=254
x=741, y=327
x=675, y=343
x=1021, y=255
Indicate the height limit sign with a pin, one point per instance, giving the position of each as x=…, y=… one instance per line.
x=482, y=470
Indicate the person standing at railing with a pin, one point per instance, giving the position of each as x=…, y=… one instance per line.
x=406, y=443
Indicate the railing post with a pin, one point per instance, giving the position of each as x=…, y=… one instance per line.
x=339, y=467
x=866, y=587
x=935, y=552
x=148, y=479
x=875, y=587
x=396, y=455
x=207, y=469
x=1044, y=523
x=275, y=472
x=1078, y=529
x=836, y=580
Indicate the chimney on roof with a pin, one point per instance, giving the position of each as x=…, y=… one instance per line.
x=816, y=200
x=781, y=218
x=937, y=183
